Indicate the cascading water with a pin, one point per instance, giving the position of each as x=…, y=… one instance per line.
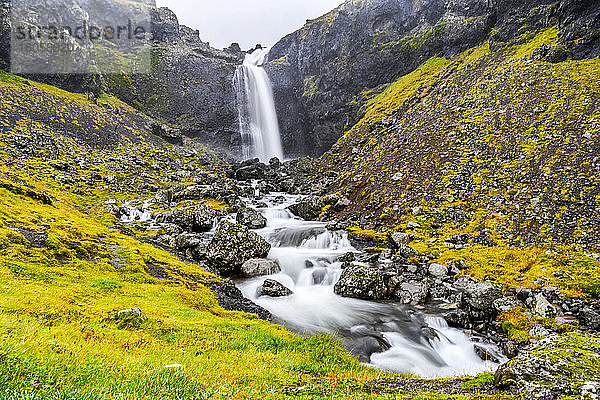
x=388, y=336
x=385, y=335
x=256, y=109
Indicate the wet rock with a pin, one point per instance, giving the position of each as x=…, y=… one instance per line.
x=190, y=217
x=362, y=282
x=251, y=218
x=273, y=288
x=346, y=258
x=457, y=318
x=231, y=298
x=485, y=353
x=259, y=267
x=232, y=245
x=163, y=197
x=246, y=173
x=308, y=208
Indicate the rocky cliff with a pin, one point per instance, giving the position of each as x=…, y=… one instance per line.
x=187, y=84
x=321, y=70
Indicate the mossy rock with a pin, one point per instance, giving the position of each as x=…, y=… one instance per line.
x=553, y=367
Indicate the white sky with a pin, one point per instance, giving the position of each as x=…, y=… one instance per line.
x=248, y=22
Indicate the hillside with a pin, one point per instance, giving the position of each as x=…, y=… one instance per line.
x=505, y=139
x=455, y=213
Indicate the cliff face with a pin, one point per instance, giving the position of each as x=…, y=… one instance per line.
x=364, y=44
x=188, y=84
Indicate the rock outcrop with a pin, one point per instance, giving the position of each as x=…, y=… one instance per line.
x=233, y=245
x=554, y=367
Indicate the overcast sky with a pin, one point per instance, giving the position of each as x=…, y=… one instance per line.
x=248, y=22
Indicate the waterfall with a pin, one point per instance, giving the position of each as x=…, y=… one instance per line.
x=256, y=109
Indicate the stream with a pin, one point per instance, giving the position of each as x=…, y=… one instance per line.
x=413, y=341
x=384, y=335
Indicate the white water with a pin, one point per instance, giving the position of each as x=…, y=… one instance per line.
x=256, y=109
x=307, y=254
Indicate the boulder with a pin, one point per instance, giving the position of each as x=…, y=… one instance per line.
x=590, y=319
x=538, y=331
x=188, y=240
x=438, y=271
x=480, y=295
x=553, y=367
x=259, y=267
x=308, y=208
x=273, y=288
x=408, y=252
x=251, y=218
x=190, y=217
x=398, y=239
x=232, y=245
x=246, y=173
x=412, y=292
x=362, y=282
x=543, y=308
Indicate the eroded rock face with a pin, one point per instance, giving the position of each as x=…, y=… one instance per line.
x=553, y=367
x=232, y=245
x=319, y=69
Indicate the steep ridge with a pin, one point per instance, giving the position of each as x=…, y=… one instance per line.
x=319, y=71
x=188, y=84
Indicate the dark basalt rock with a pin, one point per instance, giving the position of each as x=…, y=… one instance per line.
x=273, y=288
x=231, y=298
x=308, y=208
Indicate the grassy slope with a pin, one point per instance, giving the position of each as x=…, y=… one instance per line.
x=492, y=145
x=62, y=289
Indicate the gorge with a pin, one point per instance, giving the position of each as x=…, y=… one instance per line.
x=399, y=200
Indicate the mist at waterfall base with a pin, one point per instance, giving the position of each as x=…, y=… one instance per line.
x=256, y=109
x=385, y=335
